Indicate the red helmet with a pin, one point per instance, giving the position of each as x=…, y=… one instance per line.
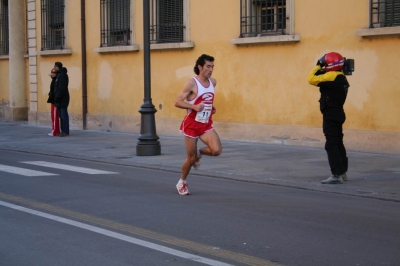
x=333, y=61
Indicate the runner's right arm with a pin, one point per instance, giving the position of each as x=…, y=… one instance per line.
x=189, y=89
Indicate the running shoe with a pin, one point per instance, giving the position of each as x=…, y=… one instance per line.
x=196, y=164
x=182, y=188
x=333, y=179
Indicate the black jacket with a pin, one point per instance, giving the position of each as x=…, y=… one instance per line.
x=61, y=93
x=51, y=93
x=333, y=86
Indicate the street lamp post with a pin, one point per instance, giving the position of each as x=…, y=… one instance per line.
x=148, y=144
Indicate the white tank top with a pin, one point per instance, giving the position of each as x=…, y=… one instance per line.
x=205, y=96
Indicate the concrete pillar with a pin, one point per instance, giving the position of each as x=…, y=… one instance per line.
x=32, y=48
x=18, y=109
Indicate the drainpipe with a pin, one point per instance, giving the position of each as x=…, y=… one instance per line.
x=84, y=74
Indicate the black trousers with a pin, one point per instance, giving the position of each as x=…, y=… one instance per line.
x=64, y=120
x=332, y=126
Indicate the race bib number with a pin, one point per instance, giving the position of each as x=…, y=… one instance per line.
x=204, y=116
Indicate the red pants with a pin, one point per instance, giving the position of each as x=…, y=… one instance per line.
x=55, y=120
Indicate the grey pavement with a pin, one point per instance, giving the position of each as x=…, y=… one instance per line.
x=370, y=175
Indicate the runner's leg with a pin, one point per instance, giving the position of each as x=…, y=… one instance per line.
x=191, y=154
x=211, y=139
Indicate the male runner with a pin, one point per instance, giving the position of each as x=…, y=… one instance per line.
x=197, y=97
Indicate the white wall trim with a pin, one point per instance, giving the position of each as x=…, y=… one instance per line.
x=379, y=32
x=54, y=52
x=117, y=49
x=170, y=46
x=282, y=39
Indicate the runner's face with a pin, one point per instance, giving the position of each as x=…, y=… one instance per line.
x=207, y=69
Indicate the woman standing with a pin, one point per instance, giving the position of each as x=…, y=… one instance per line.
x=55, y=120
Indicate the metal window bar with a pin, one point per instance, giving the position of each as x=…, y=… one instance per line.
x=384, y=13
x=4, y=30
x=166, y=21
x=262, y=17
x=115, y=23
x=52, y=24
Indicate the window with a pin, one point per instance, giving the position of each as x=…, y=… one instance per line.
x=167, y=21
x=262, y=17
x=115, y=22
x=4, y=42
x=52, y=24
x=384, y=13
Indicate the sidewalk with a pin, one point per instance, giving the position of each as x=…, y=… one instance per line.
x=370, y=175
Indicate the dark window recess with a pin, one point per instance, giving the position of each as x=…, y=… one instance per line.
x=392, y=13
x=262, y=17
x=115, y=22
x=384, y=13
x=52, y=24
x=166, y=25
x=4, y=31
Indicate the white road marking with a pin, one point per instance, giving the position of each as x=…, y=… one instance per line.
x=22, y=171
x=122, y=237
x=69, y=167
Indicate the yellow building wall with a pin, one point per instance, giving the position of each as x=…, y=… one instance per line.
x=374, y=91
x=115, y=80
x=4, y=84
x=71, y=62
x=267, y=84
x=256, y=84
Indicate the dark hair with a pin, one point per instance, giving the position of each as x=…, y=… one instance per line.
x=58, y=64
x=201, y=61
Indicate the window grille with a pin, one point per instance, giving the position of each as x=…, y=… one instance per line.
x=262, y=17
x=166, y=21
x=115, y=22
x=384, y=13
x=4, y=36
x=52, y=24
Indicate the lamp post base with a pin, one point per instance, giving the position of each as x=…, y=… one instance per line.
x=148, y=149
x=148, y=144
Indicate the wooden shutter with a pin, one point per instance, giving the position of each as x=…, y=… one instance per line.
x=170, y=21
x=4, y=35
x=56, y=9
x=119, y=15
x=392, y=17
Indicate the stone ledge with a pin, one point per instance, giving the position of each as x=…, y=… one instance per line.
x=171, y=46
x=379, y=32
x=117, y=49
x=278, y=39
x=7, y=57
x=54, y=52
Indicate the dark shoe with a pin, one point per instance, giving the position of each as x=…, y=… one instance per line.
x=344, y=177
x=333, y=179
x=62, y=134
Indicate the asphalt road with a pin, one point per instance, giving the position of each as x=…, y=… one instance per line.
x=134, y=216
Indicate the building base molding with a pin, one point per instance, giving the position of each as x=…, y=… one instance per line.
x=16, y=113
x=354, y=139
x=2, y=113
